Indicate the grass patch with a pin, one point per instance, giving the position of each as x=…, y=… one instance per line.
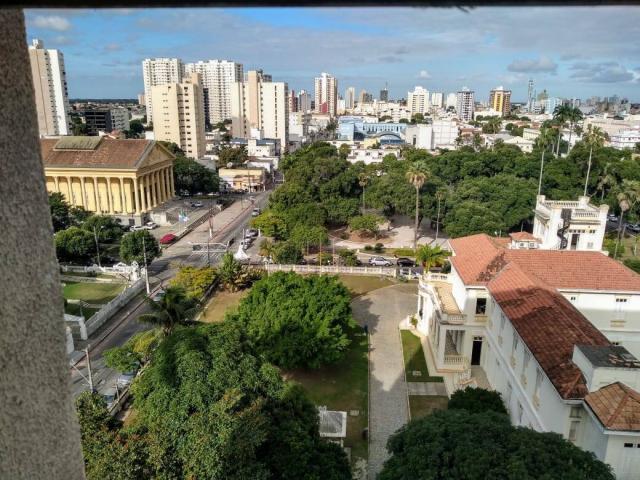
x=216, y=308
x=423, y=405
x=414, y=360
x=95, y=293
x=361, y=284
x=74, y=309
x=343, y=386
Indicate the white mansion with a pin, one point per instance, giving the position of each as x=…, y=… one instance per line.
x=551, y=323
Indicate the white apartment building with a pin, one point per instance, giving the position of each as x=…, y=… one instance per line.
x=437, y=99
x=625, y=139
x=445, y=133
x=452, y=100
x=159, y=71
x=50, y=88
x=530, y=133
x=611, y=126
x=179, y=115
x=350, y=98
x=260, y=104
x=465, y=104
x=304, y=102
x=371, y=155
x=556, y=332
x=218, y=76
x=299, y=124
x=326, y=94
x=419, y=136
x=418, y=100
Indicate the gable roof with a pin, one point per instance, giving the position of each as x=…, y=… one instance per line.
x=103, y=153
x=523, y=236
x=617, y=407
x=548, y=324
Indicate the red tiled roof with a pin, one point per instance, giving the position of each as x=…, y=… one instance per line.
x=478, y=258
x=110, y=153
x=616, y=406
x=523, y=236
x=548, y=324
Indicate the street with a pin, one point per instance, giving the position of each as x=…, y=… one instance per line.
x=226, y=225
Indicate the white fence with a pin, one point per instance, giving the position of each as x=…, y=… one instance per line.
x=131, y=272
x=105, y=313
x=386, y=271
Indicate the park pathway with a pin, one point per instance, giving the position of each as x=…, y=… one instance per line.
x=382, y=310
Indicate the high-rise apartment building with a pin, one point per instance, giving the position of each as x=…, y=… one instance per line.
x=218, y=76
x=384, y=94
x=50, y=88
x=106, y=120
x=418, y=100
x=259, y=108
x=350, y=98
x=179, y=115
x=326, y=94
x=465, y=104
x=437, y=99
x=500, y=100
x=304, y=101
x=293, y=101
x=364, y=97
x=159, y=71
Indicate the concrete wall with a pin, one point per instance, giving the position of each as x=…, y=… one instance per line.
x=40, y=438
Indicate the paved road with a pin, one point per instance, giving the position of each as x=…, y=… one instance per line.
x=226, y=225
x=382, y=310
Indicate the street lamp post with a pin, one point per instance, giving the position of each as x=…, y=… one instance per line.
x=144, y=256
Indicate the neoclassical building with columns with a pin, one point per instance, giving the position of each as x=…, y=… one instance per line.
x=123, y=178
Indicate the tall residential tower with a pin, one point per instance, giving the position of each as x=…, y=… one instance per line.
x=159, y=71
x=500, y=101
x=326, y=94
x=465, y=104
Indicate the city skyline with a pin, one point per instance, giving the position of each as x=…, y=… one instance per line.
x=439, y=49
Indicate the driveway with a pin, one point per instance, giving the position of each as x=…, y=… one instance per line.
x=382, y=310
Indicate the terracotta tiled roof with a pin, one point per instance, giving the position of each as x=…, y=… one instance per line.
x=478, y=258
x=523, y=236
x=616, y=406
x=109, y=153
x=548, y=324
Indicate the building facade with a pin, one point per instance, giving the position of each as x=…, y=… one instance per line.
x=465, y=104
x=437, y=99
x=304, y=102
x=384, y=95
x=259, y=108
x=500, y=101
x=159, y=71
x=50, y=88
x=350, y=98
x=418, y=100
x=106, y=120
x=326, y=94
x=218, y=76
x=626, y=139
x=179, y=115
x=123, y=178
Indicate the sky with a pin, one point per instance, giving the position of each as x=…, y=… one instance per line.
x=570, y=52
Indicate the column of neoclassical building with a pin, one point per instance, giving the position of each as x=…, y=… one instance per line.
x=114, y=194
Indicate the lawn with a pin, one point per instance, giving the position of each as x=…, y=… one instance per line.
x=414, y=360
x=94, y=293
x=214, y=311
x=344, y=387
x=423, y=405
x=360, y=284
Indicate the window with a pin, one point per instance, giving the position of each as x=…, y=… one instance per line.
x=575, y=412
x=481, y=306
x=573, y=430
x=629, y=445
x=503, y=319
x=520, y=413
x=514, y=346
x=538, y=382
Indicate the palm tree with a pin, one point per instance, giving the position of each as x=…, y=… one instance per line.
x=230, y=273
x=594, y=138
x=561, y=115
x=363, y=180
x=627, y=198
x=173, y=309
x=574, y=115
x=429, y=256
x=606, y=179
x=492, y=125
x=440, y=194
x=416, y=175
x=267, y=248
x=544, y=140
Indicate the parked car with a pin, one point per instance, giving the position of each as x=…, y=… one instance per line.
x=405, y=262
x=136, y=228
x=168, y=238
x=196, y=204
x=256, y=212
x=111, y=397
x=633, y=227
x=125, y=379
x=612, y=218
x=246, y=243
x=151, y=225
x=158, y=296
x=379, y=262
x=251, y=233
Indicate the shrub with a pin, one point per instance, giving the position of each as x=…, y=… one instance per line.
x=379, y=248
x=368, y=248
x=405, y=252
x=633, y=264
x=348, y=258
x=477, y=400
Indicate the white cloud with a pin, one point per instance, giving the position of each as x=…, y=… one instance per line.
x=603, y=72
x=52, y=22
x=424, y=74
x=538, y=65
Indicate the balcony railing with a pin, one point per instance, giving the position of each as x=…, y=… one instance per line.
x=455, y=360
x=481, y=318
x=437, y=277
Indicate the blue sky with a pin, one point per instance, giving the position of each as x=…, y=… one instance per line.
x=570, y=52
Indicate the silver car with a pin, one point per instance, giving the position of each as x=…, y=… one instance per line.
x=379, y=262
x=125, y=379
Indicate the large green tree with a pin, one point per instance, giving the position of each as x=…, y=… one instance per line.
x=297, y=321
x=456, y=444
x=75, y=244
x=134, y=246
x=477, y=400
x=104, y=227
x=192, y=177
x=172, y=309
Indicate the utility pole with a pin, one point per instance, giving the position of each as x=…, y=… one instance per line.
x=144, y=256
x=95, y=236
x=86, y=351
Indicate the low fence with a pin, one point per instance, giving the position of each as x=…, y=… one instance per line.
x=122, y=269
x=105, y=313
x=385, y=271
x=73, y=278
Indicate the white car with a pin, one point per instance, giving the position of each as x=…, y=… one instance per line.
x=379, y=262
x=158, y=296
x=251, y=233
x=110, y=397
x=137, y=228
x=151, y=225
x=246, y=243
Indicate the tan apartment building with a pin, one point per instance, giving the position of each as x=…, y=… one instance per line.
x=124, y=178
x=179, y=115
x=159, y=71
x=50, y=88
x=500, y=101
x=259, y=108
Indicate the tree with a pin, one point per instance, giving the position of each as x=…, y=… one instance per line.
x=470, y=217
x=121, y=359
x=476, y=141
x=74, y=244
x=297, y=321
x=627, y=198
x=59, y=211
x=417, y=174
x=348, y=258
x=344, y=151
x=477, y=400
x=636, y=148
x=105, y=228
x=135, y=352
x=543, y=142
x=368, y=224
x=594, y=138
x=605, y=179
x=172, y=309
x=270, y=224
x=134, y=246
x=78, y=127
x=287, y=253
x=455, y=444
x=136, y=127
x=267, y=248
x=417, y=118
x=363, y=180
x=195, y=281
x=492, y=125
x=573, y=116
x=230, y=272
x=236, y=156
x=431, y=256
x=303, y=236
x=192, y=177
